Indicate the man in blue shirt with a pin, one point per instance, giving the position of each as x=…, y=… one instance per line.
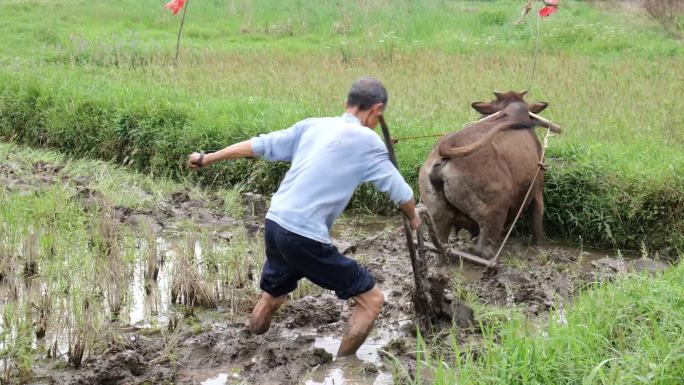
x=329, y=158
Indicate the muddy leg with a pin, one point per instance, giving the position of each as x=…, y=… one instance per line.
x=537, y=214
x=363, y=316
x=490, y=232
x=432, y=232
x=260, y=320
x=473, y=229
x=443, y=223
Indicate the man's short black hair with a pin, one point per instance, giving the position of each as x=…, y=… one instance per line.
x=366, y=92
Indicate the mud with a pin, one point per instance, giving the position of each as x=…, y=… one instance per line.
x=14, y=178
x=213, y=347
x=305, y=334
x=265, y=359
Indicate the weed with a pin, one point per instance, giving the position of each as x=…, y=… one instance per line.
x=151, y=262
x=108, y=247
x=189, y=287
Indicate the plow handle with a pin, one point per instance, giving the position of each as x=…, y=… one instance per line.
x=407, y=223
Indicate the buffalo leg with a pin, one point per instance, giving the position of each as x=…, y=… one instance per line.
x=537, y=216
x=490, y=231
x=432, y=231
x=443, y=220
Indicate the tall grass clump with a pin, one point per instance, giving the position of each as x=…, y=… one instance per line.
x=109, y=246
x=625, y=332
x=587, y=201
x=191, y=286
x=54, y=286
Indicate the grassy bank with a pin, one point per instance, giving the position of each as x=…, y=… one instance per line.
x=624, y=332
x=96, y=79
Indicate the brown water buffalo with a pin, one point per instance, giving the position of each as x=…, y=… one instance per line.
x=477, y=178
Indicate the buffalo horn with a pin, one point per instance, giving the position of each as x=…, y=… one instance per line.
x=497, y=113
x=552, y=126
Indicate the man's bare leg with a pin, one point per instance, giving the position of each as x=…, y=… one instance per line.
x=260, y=320
x=365, y=312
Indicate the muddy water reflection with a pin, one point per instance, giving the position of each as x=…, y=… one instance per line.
x=348, y=372
x=151, y=300
x=150, y=303
x=220, y=379
x=368, y=352
x=365, y=367
x=354, y=369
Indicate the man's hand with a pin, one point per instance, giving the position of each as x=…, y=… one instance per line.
x=415, y=221
x=194, y=161
x=239, y=150
x=409, y=208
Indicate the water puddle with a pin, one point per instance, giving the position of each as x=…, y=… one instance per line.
x=362, y=225
x=365, y=368
x=150, y=303
x=347, y=372
x=217, y=376
x=576, y=257
x=220, y=379
x=151, y=299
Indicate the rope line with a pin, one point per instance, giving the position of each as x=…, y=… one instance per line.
x=397, y=140
x=536, y=54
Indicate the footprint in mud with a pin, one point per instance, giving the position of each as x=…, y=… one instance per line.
x=311, y=311
x=349, y=371
x=266, y=359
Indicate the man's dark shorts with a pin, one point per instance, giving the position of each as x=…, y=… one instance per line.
x=291, y=257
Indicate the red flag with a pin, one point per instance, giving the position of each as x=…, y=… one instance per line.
x=547, y=11
x=551, y=6
x=175, y=5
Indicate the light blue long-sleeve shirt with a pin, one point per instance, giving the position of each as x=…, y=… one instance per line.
x=329, y=158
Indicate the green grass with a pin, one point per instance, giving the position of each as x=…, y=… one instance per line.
x=624, y=332
x=96, y=79
x=142, y=191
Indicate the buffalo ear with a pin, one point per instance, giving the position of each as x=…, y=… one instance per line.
x=484, y=108
x=538, y=107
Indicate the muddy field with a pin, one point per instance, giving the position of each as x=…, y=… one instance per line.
x=161, y=339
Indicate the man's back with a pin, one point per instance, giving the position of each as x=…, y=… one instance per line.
x=330, y=157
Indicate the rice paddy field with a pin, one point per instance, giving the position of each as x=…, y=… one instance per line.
x=120, y=266
x=97, y=79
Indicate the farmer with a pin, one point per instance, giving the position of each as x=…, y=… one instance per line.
x=329, y=158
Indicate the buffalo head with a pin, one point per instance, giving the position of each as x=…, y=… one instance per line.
x=504, y=99
x=513, y=103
